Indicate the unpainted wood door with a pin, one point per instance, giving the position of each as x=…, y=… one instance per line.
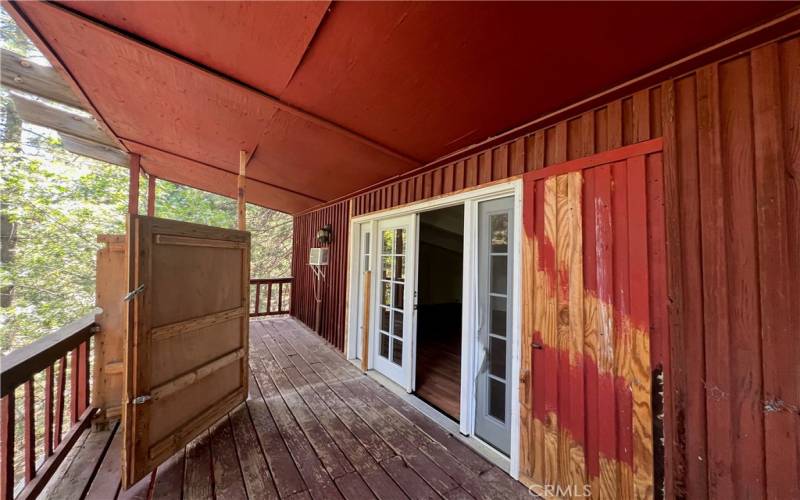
x=187, y=336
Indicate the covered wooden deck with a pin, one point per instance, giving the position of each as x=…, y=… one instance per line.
x=313, y=427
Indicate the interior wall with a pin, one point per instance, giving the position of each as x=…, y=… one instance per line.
x=732, y=205
x=437, y=266
x=441, y=256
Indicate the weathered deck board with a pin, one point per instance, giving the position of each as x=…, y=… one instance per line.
x=314, y=428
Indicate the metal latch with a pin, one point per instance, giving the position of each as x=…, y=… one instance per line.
x=136, y=291
x=141, y=399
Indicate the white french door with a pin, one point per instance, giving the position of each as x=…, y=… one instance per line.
x=393, y=310
x=494, y=322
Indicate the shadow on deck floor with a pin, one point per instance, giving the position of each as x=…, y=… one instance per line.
x=313, y=427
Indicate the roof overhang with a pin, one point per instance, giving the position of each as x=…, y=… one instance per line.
x=331, y=98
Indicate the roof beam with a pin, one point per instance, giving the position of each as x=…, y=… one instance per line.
x=134, y=145
x=19, y=73
x=38, y=113
x=94, y=150
x=277, y=102
x=24, y=24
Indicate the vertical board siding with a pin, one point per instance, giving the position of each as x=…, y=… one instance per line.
x=732, y=134
x=333, y=289
x=588, y=411
x=725, y=368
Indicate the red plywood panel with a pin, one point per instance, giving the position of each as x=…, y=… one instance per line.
x=418, y=79
x=151, y=98
x=309, y=157
x=259, y=43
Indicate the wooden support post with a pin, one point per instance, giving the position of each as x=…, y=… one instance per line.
x=240, y=194
x=151, y=195
x=133, y=185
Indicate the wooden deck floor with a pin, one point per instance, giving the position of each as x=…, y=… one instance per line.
x=313, y=427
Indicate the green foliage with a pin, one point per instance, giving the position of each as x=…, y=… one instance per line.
x=58, y=204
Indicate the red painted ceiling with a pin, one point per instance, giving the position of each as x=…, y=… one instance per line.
x=384, y=86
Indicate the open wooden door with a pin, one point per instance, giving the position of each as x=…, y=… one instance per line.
x=187, y=336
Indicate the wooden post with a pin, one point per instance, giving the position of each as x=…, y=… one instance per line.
x=133, y=185
x=151, y=195
x=109, y=343
x=240, y=194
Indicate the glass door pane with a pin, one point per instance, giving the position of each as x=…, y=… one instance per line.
x=393, y=304
x=492, y=412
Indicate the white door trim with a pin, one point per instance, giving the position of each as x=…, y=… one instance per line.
x=470, y=199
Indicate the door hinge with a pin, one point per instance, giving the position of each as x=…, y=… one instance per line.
x=141, y=399
x=136, y=291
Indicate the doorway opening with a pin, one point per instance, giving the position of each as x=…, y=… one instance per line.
x=439, y=297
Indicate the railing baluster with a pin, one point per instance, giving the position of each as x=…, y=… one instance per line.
x=18, y=372
x=7, y=446
x=29, y=443
x=62, y=382
x=82, y=394
x=282, y=304
x=48, y=411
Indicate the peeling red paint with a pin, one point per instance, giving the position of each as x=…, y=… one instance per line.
x=615, y=399
x=588, y=392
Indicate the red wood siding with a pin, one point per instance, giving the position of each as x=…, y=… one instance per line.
x=732, y=167
x=333, y=291
x=594, y=318
x=625, y=121
x=732, y=207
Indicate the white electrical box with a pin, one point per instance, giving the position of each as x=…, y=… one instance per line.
x=318, y=257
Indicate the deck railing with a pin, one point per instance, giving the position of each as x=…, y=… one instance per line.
x=41, y=369
x=276, y=291
x=47, y=383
